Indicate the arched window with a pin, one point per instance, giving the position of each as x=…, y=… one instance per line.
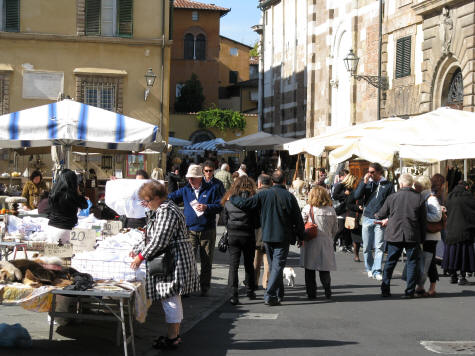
x=200, y=47
x=455, y=93
x=189, y=46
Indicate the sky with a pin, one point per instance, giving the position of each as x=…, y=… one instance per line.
x=238, y=22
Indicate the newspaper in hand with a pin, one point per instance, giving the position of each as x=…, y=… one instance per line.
x=194, y=204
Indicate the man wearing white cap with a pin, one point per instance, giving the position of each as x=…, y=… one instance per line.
x=201, y=201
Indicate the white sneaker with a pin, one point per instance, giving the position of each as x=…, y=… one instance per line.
x=370, y=274
x=379, y=277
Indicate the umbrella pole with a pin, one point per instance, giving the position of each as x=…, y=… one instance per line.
x=465, y=164
x=296, y=167
x=67, y=159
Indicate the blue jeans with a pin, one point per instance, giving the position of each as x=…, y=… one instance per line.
x=412, y=264
x=277, y=257
x=373, y=237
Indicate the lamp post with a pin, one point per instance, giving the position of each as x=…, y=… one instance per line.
x=150, y=77
x=351, y=64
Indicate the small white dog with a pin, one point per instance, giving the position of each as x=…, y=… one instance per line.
x=289, y=275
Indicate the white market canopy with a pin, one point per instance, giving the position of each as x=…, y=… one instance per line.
x=434, y=136
x=259, y=141
x=315, y=146
x=71, y=123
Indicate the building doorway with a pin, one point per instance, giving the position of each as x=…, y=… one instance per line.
x=452, y=95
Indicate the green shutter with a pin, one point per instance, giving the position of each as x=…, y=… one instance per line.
x=93, y=17
x=12, y=15
x=403, y=57
x=124, y=18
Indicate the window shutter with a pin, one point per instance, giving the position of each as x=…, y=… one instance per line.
x=93, y=17
x=188, y=45
x=200, y=48
x=125, y=18
x=403, y=57
x=12, y=15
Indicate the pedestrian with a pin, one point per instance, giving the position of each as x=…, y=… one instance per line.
x=318, y=254
x=340, y=193
x=32, y=190
x=427, y=258
x=166, y=228
x=174, y=178
x=281, y=224
x=404, y=213
x=373, y=191
x=225, y=176
x=242, y=171
x=260, y=258
x=141, y=174
x=201, y=201
x=459, y=255
x=354, y=209
x=241, y=227
x=63, y=203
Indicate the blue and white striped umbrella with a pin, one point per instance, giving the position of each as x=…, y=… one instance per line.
x=72, y=123
x=210, y=145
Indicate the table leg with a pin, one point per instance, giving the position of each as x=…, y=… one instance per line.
x=131, y=326
x=24, y=250
x=51, y=314
x=122, y=320
x=15, y=249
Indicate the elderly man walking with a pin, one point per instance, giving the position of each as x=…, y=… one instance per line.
x=201, y=199
x=225, y=176
x=404, y=213
x=281, y=224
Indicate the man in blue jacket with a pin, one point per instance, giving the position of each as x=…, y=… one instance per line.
x=281, y=223
x=373, y=191
x=201, y=200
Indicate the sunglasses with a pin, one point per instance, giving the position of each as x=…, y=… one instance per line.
x=208, y=170
x=371, y=172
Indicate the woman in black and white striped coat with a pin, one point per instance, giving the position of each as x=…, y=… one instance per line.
x=166, y=227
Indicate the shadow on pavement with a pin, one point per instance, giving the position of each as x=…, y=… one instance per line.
x=286, y=344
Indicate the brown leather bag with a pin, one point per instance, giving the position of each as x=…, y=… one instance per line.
x=437, y=226
x=311, y=229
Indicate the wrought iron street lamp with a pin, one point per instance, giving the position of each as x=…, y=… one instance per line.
x=351, y=64
x=150, y=77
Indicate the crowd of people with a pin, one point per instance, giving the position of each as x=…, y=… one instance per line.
x=262, y=220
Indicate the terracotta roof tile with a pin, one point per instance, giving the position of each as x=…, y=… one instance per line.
x=186, y=4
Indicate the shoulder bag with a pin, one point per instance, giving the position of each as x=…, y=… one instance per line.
x=311, y=229
x=162, y=264
x=223, y=243
x=350, y=223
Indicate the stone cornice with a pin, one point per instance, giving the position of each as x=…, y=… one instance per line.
x=430, y=7
x=85, y=39
x=265, y=4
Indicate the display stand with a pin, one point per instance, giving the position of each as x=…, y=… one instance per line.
x=111, y=301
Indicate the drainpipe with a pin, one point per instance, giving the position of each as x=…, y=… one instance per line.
x=380, y=49
x=162, y=74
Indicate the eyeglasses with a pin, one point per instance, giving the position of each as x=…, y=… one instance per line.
x=208, y=170
x=146, y=201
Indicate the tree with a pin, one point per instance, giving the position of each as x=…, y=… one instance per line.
x=254, y=52
x=191, y=98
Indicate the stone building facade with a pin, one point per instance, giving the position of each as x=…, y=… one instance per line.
x=428, y=58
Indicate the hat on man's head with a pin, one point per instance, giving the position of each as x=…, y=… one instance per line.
x=194, y=171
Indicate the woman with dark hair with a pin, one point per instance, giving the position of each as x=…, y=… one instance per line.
x=64, y=201
x=33, y=190
x=459, y=255
x=141, y=174
x=166, y=228
x=240, y=225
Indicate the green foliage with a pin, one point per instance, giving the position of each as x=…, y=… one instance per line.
x=221, y=119
x=191, y=98
x=254, y=52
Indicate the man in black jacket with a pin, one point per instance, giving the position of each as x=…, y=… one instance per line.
x=373, y=191
x=281, y=224
x=404, y=213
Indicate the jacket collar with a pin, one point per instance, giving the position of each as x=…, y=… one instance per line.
x=279, y=186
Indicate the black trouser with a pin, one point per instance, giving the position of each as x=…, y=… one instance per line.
x=342, y=234
x=311, y=281
x=246, y=245
x=430, y=246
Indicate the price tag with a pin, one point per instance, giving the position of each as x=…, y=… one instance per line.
x=83, y=239
x=63, y=251
x=112, y=227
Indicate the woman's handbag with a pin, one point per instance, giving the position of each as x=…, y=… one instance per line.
x=162, y=264
x=311, y=229
x=438, y=226
x=223, y=242
x=350, y=223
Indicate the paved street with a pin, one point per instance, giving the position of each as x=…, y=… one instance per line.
x=356, y=322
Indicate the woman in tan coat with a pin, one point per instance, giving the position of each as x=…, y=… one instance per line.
x=318, y=254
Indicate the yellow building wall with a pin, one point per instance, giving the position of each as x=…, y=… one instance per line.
x=183, y=125
x=227, y=62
